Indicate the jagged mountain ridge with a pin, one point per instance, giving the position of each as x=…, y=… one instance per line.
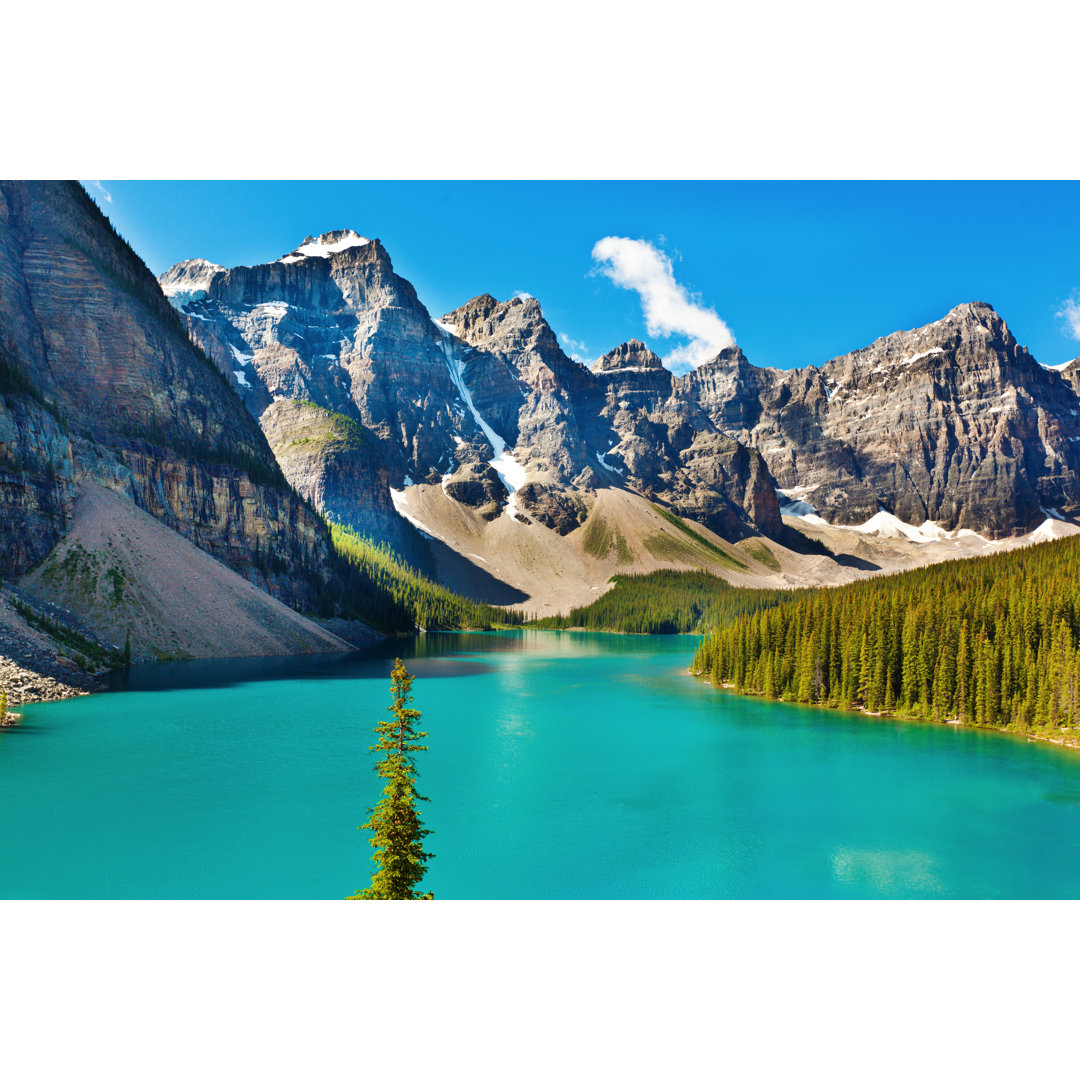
x=952, y=423
x=483, y=401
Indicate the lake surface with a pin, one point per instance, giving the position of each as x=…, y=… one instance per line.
x=561, y=765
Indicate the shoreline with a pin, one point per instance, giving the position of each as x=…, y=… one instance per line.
x=1067, y=738
x=25, y=686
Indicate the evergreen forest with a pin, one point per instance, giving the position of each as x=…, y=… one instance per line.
x=667, y=602
x=991, y=640
x=376, y=585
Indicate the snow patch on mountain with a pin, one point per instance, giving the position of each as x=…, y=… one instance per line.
x=919, y=356
x=398, y=498
x=324, y=246
x=886, y=526
x=511, y=472
x=188, y=280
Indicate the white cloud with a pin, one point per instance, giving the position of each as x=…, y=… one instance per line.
x=1071, y=314
x=519, y=295
x=667, y=306
x=101, y=187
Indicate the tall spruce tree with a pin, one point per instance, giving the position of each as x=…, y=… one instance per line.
x=398, y=832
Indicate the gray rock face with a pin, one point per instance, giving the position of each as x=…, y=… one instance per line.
x=330, y=460
x=618, y=424
x=477, y=484
x=952, y=422
x=545, y=402
x=632, y=355
x=556, y=509
x=671, y=449
x=98, y=381
x=332, y=324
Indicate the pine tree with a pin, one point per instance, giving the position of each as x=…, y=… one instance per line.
x=398, y=832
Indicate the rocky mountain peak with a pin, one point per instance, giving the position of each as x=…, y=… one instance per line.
x=976, y=321
x=631, y=355
x=484, y=318
x=726, y=360
x=188, y=276
x=470, y=315
x=969, y=334
x=326, y=245
x=732, y=356
x=976, y=311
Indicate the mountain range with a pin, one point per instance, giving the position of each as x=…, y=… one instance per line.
x=171, y=450
x=546, y=475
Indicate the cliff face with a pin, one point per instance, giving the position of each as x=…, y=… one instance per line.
x=953, y=422
x=333, y=462
x=671, y=449
x=333, y=324
x=545, y=402
x=100, y=382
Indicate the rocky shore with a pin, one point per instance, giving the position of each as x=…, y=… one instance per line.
x=32, y=668
x=25, y=687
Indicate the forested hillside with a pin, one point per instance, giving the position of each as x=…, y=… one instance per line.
x=992, y=640
x=378, y=587
x=667, y=602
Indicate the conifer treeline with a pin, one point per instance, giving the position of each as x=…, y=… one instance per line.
x=666, y=602
x=378, y=587
x=992, y=640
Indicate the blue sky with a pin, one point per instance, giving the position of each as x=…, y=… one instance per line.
x=795, y=272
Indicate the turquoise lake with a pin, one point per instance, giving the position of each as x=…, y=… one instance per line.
x=561, y=765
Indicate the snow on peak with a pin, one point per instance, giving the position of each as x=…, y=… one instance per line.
x=322, y=247
x=189, y=277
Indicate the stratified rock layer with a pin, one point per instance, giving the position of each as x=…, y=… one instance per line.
x=100, y=382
